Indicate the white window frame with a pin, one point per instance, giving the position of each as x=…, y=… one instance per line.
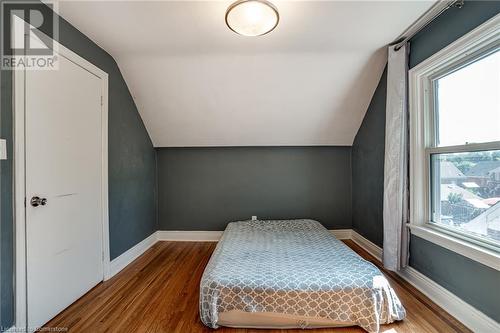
x=422, y=143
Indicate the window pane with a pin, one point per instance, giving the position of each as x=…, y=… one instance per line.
x=466, y=192
x=468, y=103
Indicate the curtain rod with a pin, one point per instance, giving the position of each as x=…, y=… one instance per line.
x=430, y=15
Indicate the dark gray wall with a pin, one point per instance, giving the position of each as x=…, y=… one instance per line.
x=368, y=168
x=205, y=188
x=6, y=225
x=474, y=282
x=449, y=26
x=132, y=165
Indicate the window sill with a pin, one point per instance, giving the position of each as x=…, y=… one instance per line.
x=472, y=251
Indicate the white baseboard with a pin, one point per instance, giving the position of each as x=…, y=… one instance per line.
x=367, y=245
x=466, y=313
x=189, y=236
x=342, y=233
x=130, y=255
x=214, y=236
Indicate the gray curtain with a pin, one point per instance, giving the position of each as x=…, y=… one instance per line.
x=396, y=233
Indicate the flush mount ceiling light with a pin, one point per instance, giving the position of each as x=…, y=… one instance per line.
x=252, y=17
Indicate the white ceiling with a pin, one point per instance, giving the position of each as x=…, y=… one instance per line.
x=196, y=83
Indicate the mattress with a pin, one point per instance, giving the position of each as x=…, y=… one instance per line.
x=292, y=274
x=241, y=319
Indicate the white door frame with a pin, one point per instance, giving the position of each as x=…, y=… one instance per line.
x=21, y=318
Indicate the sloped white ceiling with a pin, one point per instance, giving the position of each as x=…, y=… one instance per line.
x=196, y=83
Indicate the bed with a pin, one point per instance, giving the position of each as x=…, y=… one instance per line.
x=292, y=274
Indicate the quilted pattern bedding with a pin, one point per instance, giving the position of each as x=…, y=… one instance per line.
x=294, y=267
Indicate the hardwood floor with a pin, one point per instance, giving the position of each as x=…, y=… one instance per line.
x=158, y=292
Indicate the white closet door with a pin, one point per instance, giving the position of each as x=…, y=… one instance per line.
x=63, y=166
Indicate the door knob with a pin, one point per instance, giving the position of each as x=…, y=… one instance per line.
x=37, y=201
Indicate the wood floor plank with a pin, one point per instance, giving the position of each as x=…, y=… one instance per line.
x=159, y=293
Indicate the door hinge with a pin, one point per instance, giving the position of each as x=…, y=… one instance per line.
x=102, y=101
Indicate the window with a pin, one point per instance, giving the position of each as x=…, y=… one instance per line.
x=455, y=144
x=465, y=193
x=465, y=180
x=468, y=103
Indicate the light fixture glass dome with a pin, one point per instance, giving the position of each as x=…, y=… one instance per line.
x=252, y=17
